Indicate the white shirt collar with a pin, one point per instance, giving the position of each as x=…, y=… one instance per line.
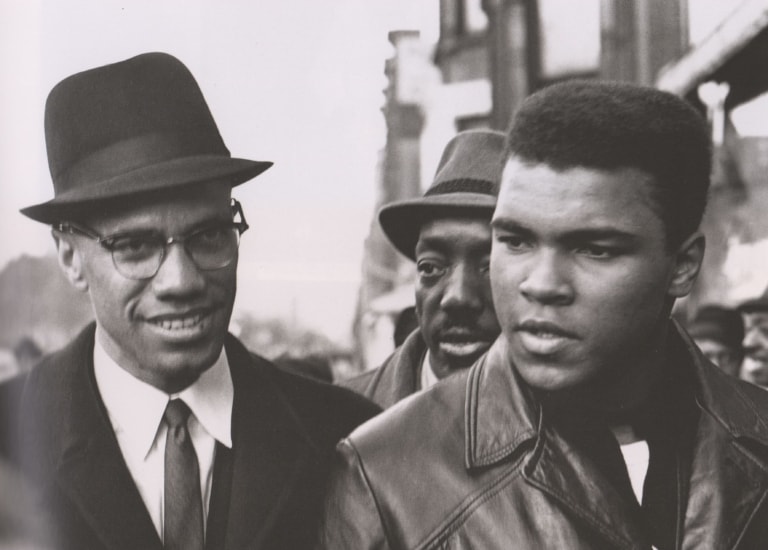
x=136, y=408
x=428, y=376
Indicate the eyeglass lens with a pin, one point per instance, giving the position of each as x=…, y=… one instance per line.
x=140, y=256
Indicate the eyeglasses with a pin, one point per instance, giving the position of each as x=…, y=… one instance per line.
x=139, y=254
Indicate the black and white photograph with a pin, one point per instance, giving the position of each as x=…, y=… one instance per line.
x=383, y=274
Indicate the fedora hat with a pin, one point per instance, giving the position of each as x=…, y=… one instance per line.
x=755, y=305
x=131, y=128
x=466, y=184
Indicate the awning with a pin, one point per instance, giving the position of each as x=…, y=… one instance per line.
x=730, y=37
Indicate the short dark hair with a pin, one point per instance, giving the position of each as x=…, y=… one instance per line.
x=613, y=125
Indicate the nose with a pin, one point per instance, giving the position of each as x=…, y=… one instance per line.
x=756, y=341
x=178, y=275
x=464, y=288
x=546, y=280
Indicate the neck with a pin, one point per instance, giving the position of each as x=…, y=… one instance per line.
x=610, y=398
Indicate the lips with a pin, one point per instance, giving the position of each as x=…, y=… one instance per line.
x=540, y=337
x=464, y=342
x=182, y=326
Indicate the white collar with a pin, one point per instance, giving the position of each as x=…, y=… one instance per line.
x=428, y=376
x=136, y=408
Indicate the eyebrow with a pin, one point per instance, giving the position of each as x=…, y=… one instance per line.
x=586, y=234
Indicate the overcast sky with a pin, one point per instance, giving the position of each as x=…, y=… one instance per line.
x=297, y=82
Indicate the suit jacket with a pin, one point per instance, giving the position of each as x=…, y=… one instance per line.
x=266, y=489
x=474, y=463
x=397, y=378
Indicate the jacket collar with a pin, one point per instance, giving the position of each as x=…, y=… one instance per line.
x=500, y=413
x=503, y=420
x=734, y=404
x=398, y=377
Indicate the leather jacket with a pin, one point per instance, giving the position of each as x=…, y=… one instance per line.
x=473, y=463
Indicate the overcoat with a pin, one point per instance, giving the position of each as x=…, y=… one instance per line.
x=396, y=378
x=473, y=463
x=266, y=490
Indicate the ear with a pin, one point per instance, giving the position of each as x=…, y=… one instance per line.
x=70, y=261
x=688, y=260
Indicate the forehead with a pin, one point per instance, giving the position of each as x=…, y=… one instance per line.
x=575, y=199
x=454, y=233
x=183, y=206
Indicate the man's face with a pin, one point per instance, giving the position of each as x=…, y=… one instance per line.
x=755, y=366
x=453, y=294
x=170, y=328
x=725, y=357
x=582, y=278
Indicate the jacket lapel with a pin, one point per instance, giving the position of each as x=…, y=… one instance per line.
x=495, y=432
x=91, y=470
x=729, y=480
x=398, y=377
x=574, y=481
x=271, y=452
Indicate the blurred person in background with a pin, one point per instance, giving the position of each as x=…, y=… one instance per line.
x=447, y=233
x=593, y=421
x=155, y=428
x=754, y=367
x=719, y=331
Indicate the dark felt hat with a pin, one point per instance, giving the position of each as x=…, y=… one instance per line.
x=755, y=304
x=466, y=184
x=131, y=128
x=718, y=323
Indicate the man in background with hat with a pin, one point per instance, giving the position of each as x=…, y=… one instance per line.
x=154, y=428
x=447, y=233
x=754, y=368
x=719, y=331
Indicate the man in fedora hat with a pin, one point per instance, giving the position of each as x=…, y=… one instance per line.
x=754, y=367
x=719, y=331
x=447, y=233
x=155, y=428
x=593, y=421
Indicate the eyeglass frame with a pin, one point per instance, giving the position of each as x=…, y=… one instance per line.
x=74, y=228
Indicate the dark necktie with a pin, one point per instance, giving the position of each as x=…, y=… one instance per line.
x=183, y=521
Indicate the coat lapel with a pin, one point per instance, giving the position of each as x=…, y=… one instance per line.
x=728, y=484
x=398, y=377
x=496, y=432
x=574, y=481
x=729, y=479
x=91, y=470
x=271, y=454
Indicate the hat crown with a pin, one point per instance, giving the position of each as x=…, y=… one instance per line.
x=127, y=130
x=149, y=105
x=466, y=184
x=471, y=162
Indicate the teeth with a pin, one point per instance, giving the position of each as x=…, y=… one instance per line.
x=462, y=348
x=546, y=335
x=177, y=324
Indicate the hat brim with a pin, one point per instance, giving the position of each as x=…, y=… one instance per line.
x=754, y=306
x=401, y=221
x=164, y=176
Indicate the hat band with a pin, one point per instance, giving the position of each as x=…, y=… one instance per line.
x=131, y=154
x=465, y=185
